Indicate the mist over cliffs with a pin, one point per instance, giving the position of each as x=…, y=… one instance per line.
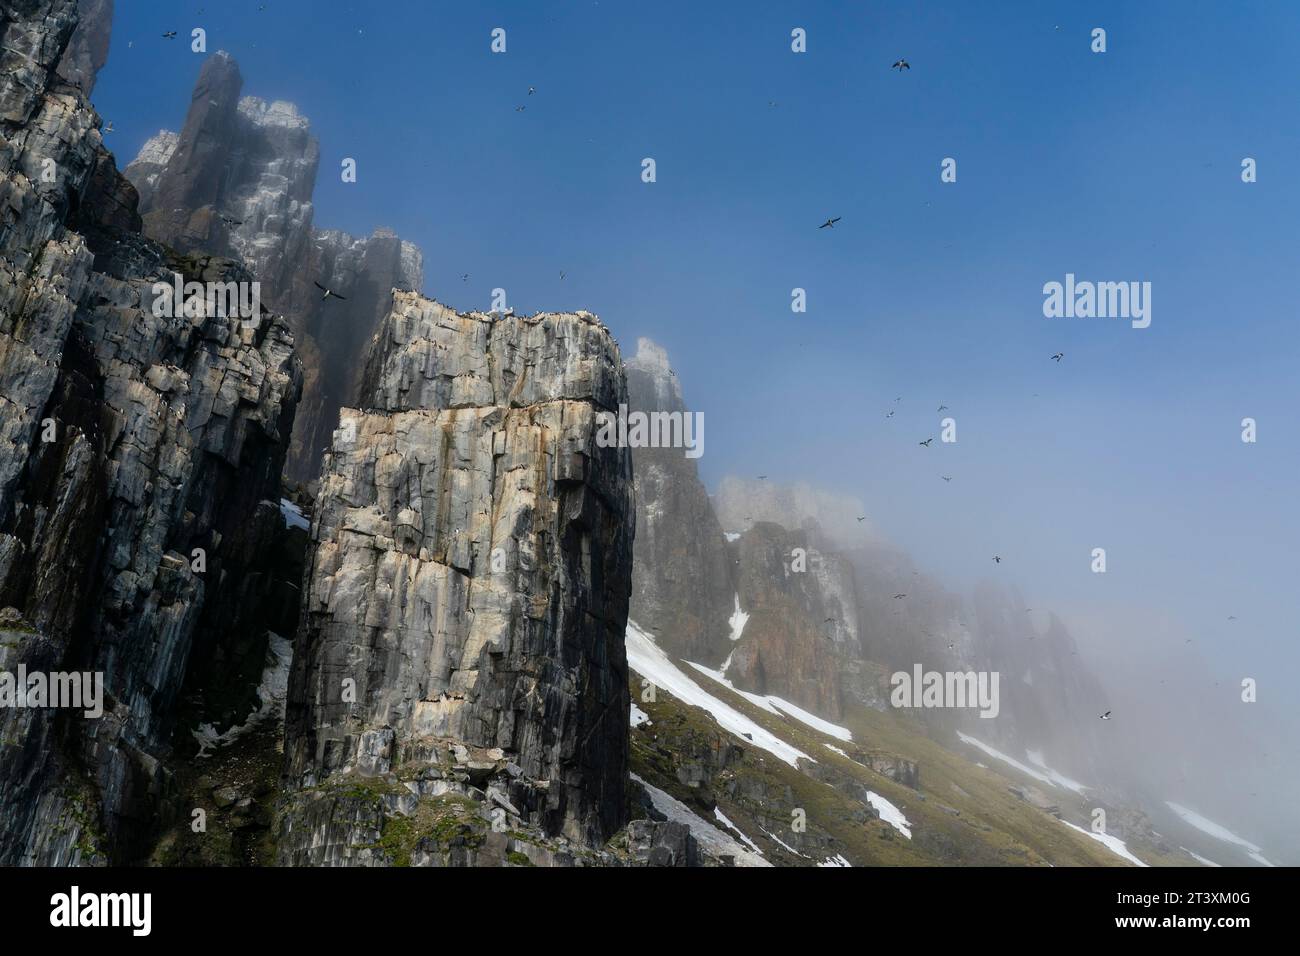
x=237, y=181
x=366, y=589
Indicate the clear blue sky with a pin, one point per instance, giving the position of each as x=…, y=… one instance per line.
x=1114, y=166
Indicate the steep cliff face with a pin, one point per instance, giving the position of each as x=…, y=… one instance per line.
x=87, y=50
x=801, y=624
x=683, y=580
x=238, y=180
x=467, y=591
x=129, y=439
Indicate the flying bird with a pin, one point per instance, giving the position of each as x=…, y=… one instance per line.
x=943, y=408
x=830, y=223
x=945, y=478
x=109, y=127
x=532, y=90
x=996, y=559
x=762, y=477
x=328, y=292
x=1058, y=356
x=465, y=277
x=890, y=414
x=232, y=222
x=897, y=596
x=926, y=443
x=169, y=35
x=862, y=519
x=1106, y=716
x=561, y=275
x=901, y=65
x=520, y=109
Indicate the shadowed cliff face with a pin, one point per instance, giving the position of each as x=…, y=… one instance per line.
x=238, y=180
x=468, y=585
x=129, y=440
x=683, y=580
x=87, y=49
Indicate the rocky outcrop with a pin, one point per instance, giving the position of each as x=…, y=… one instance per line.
x=467, y=590
x=87, y=50
x=238, y=180
x=137, y=450
x=683, y=582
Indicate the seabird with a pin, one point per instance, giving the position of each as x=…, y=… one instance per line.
x=1058, y=356
x=901, y=65
x=997, y=559
x=328, y=292
x=1106, y=716
x=830, y=223
x=926, y=443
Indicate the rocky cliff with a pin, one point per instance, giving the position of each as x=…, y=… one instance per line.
x=238, y=180
x=87, y=49
x=467, y=594
x=683, y=578
x=139, y=453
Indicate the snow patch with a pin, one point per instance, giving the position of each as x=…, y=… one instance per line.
x=639, y=717
x=836, y=860
x=738, y=620
x=1046, y=775
x=293, y=516
x=1112, y=843
x=775, y=705
x=647, y=659
x=710, y=837
x=890, y=813
x=722, y=818
x=1217, y=831
x=1200, y=859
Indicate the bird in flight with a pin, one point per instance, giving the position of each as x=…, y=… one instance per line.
x=762, y=477
x=169, y=35
x=465, y=277
x=943, y=408
x=520, y=109
x=109, y=127
x=891, y=414
x=945, y=477
x=532, y=90
x=1106, y=716
x=897, y=596
x=561, y=274
x=829, y=620
x=997, y=559
x=830, y=223
x=1058, y=356
x=232, y=222
x=1232, y=617
x=926, y=443
x=862, y=519
x=901, y=65
x=328, y=292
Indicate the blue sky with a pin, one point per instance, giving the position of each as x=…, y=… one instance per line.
x=1116, y=166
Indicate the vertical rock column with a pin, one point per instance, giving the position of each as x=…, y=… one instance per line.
x=468, y=587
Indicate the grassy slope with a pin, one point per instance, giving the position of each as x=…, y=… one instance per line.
x=994, y=826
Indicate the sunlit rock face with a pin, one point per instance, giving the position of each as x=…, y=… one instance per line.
x=130, y=439
x=238, y=180
x=468, y=583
